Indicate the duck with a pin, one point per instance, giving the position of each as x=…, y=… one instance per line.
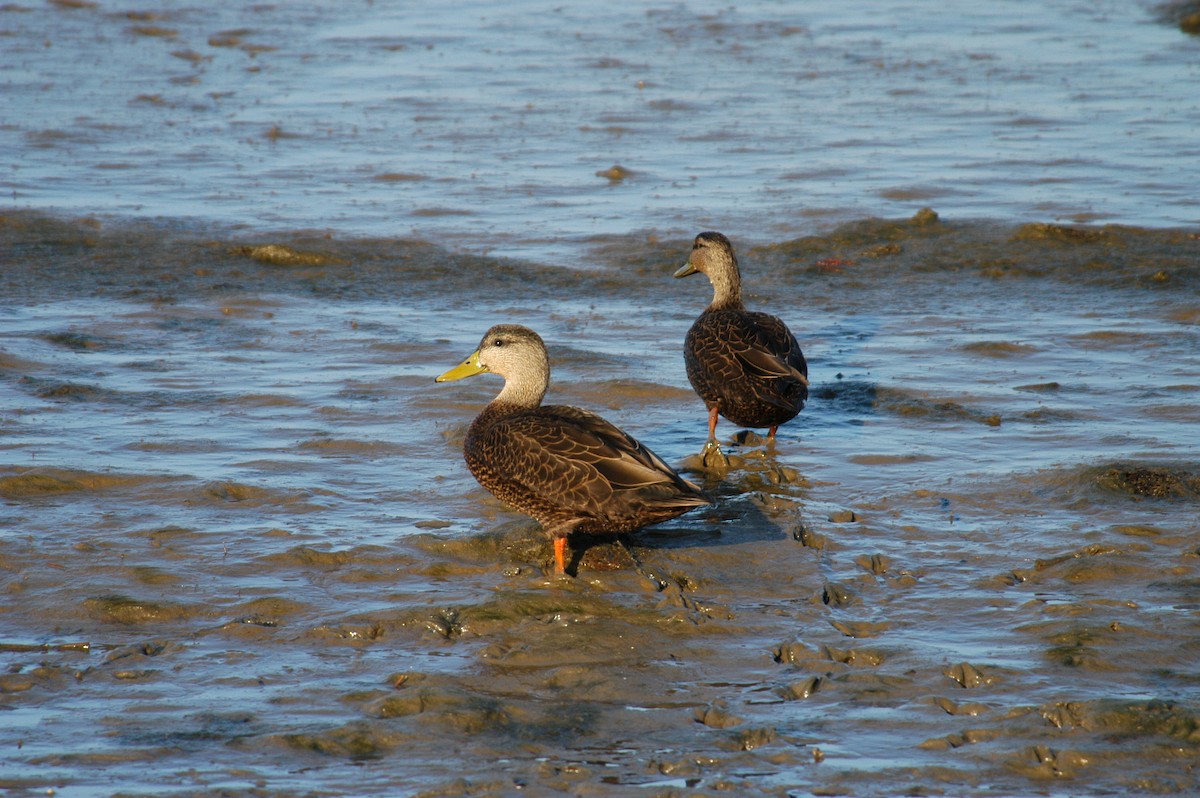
x=568, y=468
x=746, y=365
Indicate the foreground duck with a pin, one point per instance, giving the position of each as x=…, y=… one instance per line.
x=745, y=365
x=568, y=468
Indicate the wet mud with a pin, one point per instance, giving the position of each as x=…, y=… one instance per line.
x=240, y=553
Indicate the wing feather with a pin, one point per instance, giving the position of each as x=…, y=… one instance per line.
x=570, y=458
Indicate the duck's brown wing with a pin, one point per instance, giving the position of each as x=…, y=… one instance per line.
x=568, y=462
x=774, y=353
x=620, y=457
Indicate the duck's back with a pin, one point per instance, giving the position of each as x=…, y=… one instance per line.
x=747, y=363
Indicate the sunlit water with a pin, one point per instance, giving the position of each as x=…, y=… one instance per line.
x=488, y=125
x=970, y=566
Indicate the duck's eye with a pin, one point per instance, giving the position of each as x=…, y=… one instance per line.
x=498, y=342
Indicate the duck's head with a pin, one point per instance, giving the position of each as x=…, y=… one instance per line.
x=517, y=354
x=712, y=255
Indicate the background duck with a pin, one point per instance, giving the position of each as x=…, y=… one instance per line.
x=745, y=365
x=568, y=468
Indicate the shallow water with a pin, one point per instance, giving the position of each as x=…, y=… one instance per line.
x=971, y=565
x=239, y=550
x=499, y=129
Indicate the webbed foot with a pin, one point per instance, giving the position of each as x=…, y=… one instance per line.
x=713, y=458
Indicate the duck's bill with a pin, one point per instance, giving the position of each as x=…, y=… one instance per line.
x=685, y=270
x=468, y=368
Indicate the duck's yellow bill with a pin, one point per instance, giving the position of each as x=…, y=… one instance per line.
x=468, y=368
x=685, y=270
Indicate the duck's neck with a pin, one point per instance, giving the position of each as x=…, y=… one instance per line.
x=524, y=394
x=515, y=397
x=727, y=289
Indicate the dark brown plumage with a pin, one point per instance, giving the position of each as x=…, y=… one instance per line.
x=745, y=365
x=568, y=468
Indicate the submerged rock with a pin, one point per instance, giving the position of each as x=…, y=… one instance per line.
x=280, y=255
x=1151, y=482
x=126, y=610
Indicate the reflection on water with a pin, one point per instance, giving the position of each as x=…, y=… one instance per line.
x=969, y=565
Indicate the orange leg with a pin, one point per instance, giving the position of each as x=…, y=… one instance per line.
x=771, y=434
x=711, y=455
x=560, y=555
